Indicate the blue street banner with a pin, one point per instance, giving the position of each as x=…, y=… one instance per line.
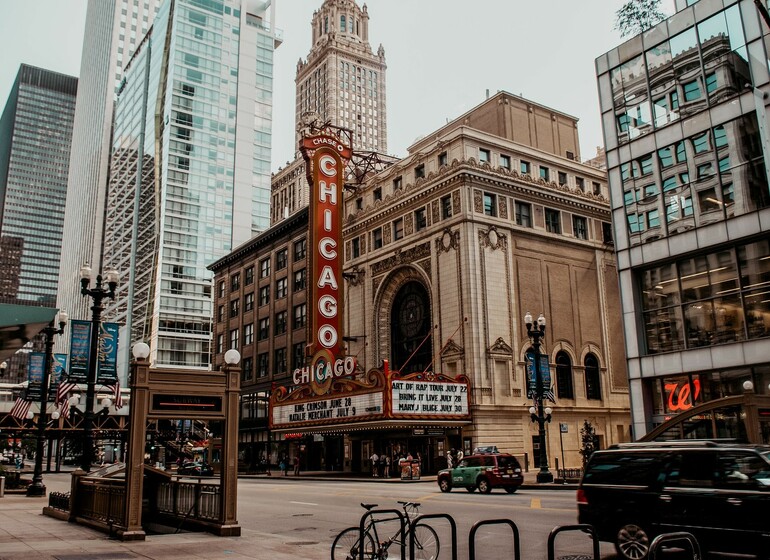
x=35, y=375
x=108, y=354
x=80, y=345
x=59, y=371
x=545, y=373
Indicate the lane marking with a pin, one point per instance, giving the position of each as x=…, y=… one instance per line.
x=304, y=503
x=535, y=504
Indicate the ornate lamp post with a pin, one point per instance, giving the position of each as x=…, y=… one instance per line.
x=37, y=488
x=97, y=293
x=539, y=413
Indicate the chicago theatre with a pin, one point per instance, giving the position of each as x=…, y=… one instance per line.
x=383, y=309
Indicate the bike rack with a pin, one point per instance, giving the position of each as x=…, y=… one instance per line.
x=478, y=524
x=582, y=527
x=658, y=541
x=370, y=513
x=417, y=520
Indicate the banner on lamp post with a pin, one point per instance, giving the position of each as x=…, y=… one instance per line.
x=35, y=375
x=108, y=354
x=80, y=346
x=59, y=371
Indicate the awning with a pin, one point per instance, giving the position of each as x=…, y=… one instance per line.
x=19, y=324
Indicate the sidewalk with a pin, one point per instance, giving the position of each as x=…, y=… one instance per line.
x=26, y=534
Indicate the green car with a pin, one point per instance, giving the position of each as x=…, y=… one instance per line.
x=484, y=472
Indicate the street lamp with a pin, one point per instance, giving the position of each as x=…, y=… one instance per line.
x=539, y=413
x=97, y=293
x=37, y=488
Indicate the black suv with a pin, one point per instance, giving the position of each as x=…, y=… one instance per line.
x=719, y=492
x=484, y=472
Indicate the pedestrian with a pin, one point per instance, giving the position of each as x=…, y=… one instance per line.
x=387, y=466
x=282, y=466
x=296, y=465
x=375, y=459
x=449, y=460
x=460, y=456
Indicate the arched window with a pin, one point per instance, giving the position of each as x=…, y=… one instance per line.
x=343, y=24
x=326, y=24
x=564, y=386
x=410, y=329
x=593, y=381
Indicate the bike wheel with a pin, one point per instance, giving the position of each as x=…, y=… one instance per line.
x=347, y=545
x=426, y=545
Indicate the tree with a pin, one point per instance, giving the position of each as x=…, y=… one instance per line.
x=587, y=441
x=638, y=15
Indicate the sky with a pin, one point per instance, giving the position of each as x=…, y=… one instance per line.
x=442, y=57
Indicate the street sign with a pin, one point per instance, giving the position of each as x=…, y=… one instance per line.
x=563, y=427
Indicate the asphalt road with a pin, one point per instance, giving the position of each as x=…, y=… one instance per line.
x=312, y=512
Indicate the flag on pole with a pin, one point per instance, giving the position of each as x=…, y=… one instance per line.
x=117, y=396
x=64, y=407
x=63, y=390
x=21, y=408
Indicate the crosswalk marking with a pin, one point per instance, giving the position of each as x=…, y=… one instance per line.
x=535, y=503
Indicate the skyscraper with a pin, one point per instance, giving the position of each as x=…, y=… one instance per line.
x=342, y=82
x=684, y=110
x=192, y=139
x=113, y=29
x=35, y=139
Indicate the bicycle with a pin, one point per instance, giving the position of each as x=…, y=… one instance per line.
x=347, y=545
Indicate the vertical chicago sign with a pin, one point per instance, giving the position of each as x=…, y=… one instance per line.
x=325, y=159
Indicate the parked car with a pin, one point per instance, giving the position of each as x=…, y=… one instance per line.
x=484, y=472
x=719, y=492
x=196, y=469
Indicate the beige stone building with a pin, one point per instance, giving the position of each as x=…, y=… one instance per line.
x=489, y=217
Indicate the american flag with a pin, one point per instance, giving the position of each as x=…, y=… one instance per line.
x=21, y=408
x=117, y=396
x=63, y=390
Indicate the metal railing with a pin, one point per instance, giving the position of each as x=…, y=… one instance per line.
x=59, y=500
x=103, y=501
x=190, y=500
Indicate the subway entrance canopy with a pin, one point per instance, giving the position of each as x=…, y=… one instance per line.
x=19, y=324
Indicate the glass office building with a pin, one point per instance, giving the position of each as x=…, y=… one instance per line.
x=684, y=109
x=35, y=140
x=192, y=139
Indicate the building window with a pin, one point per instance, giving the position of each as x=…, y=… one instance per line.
x=490, y=204
x=263, y=365
x=298, y=355
x=248, y=302
x=234, y=339
x=281, y=259
x=446, y=207
x=593, y=380
x=355, y=247
x=222, y=289
x=580, y=226
x=397, y=183
x=377, y=238
x=247, y=369
x=525, y=167
x=419, y=219
x=264, y=328
x=442, y=159
x=248, y=334
x=419, y=171
x=300, y=280
x=398, y=229
x=552, y=220
x=235, y=282
x=249, y=276
x=545, y=173
x=264, y=268
x=523, y=214
x=280, y=361
x=505, y=161
x=597, y=188
x=300, y=249
x=484, y=155
x=300, y=315
x=564, y=386
x=281, y=288
x=220, y=344
x=607, y=233
x=691, y=91
x=562, y=178
x=264, y=295
x=581, y=184
x=359, y=203
x=377, y=194
x=221, y=313
x=234, y=307
x=280, y=323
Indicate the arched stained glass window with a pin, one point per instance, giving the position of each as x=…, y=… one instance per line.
x=593, y=379
x=564, y=385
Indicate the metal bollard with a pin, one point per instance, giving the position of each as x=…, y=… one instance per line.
x=2, y=486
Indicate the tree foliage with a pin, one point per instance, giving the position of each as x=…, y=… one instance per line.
x=587, y=441
x=638, y=15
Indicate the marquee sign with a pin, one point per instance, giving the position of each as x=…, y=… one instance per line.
x=325, y=157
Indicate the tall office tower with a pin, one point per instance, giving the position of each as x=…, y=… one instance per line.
x=113, y=29
x=192, y=139
x=35, y=139
x=684, y=110
x=343, y=82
